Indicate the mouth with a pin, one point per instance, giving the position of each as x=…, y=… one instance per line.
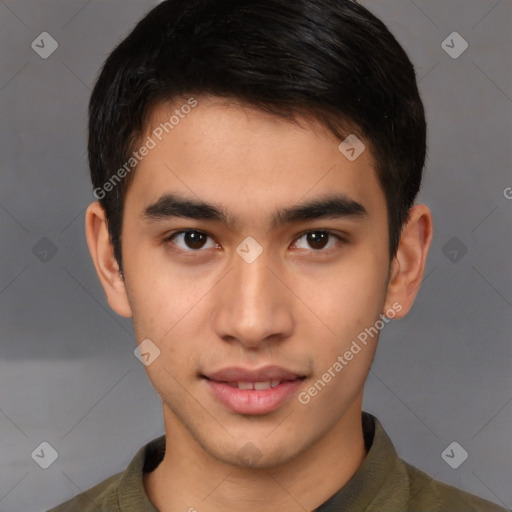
x=261, y=391
x=257, y=386
x=268, y=373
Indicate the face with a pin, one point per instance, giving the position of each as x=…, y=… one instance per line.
x=254, y=296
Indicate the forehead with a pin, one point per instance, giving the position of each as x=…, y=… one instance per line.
x=251, y=161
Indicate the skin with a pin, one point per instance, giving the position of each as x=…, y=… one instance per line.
x=297, y=305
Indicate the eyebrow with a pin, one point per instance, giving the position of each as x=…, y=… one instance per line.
x=335, y=206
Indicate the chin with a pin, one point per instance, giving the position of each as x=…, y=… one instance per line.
x=256, y=454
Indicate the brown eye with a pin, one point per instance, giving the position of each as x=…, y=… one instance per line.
x=318, y=240
x=191, y=240
x=194, y=239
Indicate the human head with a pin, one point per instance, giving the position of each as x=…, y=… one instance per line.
x=253, y=169
x=330, y=60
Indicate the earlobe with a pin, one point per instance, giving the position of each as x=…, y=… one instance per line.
x=408, y=266
x=102, y=254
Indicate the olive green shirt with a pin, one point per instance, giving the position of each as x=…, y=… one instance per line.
x=383, y=483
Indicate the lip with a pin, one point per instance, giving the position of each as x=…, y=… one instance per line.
x=251, y=401
x=237, y=373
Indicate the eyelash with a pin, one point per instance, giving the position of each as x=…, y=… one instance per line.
x=340, y=238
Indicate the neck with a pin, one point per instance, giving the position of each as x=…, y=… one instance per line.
x=189, y=479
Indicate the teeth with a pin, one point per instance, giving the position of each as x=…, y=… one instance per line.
x=245, y=385
x=258, y=386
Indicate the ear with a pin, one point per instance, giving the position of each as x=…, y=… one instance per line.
x=408, y=264
x=102, y=253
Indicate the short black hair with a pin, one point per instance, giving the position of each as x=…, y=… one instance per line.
x=332, y=60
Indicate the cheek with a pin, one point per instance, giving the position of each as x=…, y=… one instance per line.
x=344, y=353
x=169, y=309
x=158, y=297
x=350, y=295
x=349, y=306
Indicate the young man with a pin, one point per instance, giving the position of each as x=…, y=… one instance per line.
x=256, y=165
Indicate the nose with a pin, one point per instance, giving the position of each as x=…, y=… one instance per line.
x=254, y=306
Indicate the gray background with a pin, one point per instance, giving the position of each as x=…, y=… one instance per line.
x=68, y=375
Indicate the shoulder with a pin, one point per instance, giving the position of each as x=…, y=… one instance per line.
x=122, y=491
x=102, y=497
x=428, y=494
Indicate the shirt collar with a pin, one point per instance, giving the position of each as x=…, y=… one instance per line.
x=368, y=482
x=131, y=493
x=356, y=495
